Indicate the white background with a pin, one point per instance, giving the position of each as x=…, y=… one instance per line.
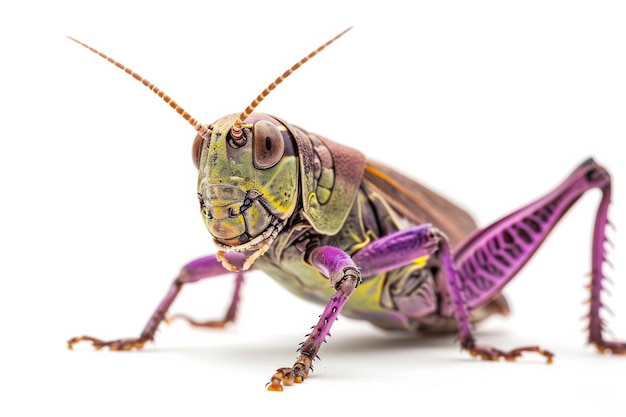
x=490, y=102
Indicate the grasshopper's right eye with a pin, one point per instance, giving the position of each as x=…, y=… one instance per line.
x=198, y=144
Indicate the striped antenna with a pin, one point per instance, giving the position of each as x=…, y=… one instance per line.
x=236, y=131
x=156, y=90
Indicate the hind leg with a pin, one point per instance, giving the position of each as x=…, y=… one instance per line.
x=489, y=258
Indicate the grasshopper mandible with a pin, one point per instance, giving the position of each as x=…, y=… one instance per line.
x=356, y=236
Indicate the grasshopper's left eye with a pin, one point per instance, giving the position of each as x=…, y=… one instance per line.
x=268, y=145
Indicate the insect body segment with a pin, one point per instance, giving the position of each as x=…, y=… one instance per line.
x=359, y=238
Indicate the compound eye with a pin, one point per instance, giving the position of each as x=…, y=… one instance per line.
x=196, y=149
x=268, y=145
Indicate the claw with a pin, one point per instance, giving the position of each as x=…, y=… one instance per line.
x=271, y=386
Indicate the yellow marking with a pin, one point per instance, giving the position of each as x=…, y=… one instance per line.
x=368, y=295
x=385, y=177
x=420, y=262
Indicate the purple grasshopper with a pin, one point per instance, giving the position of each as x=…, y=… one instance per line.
x=356, y=236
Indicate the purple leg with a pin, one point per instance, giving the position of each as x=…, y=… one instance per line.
x=397, y=249
x=596, y=324
x=386, y=253
x=229, y=317
x=207, y=267
x=490, y=257
x=344, y=276
x=405, y=246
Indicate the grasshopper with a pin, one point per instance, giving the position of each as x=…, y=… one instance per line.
x=354, y=235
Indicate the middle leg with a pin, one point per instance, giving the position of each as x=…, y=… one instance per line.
x=405, y=246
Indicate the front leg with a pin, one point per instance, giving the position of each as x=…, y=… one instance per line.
x=344, y=276
x=194, y=271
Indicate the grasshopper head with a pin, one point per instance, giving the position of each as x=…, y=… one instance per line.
x=248, y=171
x=247, y=186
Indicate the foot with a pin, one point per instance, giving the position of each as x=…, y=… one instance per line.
x=611, y=347
x=119, y=344
x=283, y=377
x=288, y=376
x=492, y=354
